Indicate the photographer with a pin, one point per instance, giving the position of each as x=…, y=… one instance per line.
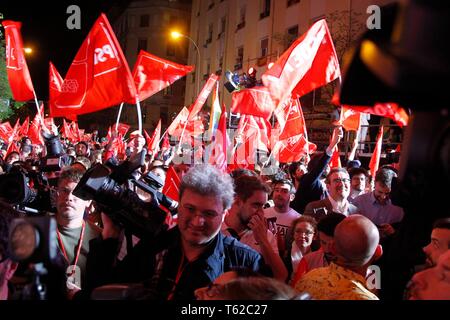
x=177, y=262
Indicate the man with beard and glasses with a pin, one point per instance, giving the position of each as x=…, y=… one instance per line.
x=171, y=265
x=245, y=221
x=338, y=186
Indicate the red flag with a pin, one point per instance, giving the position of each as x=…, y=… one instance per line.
x=122, y=129
x=254, y=101
x=375, y=159
x=99, y=76
x=66, y=132
x=153, y=141
x=55, y=89
x=152, y=74
x=5, y=130
x=18, y=75
x=204, y=94
x=14, y=136
x=219, y=148
x=294, y=121
x=34, y=132
x=309, y=63
x=257, y=129
x=165, y=143
x=335, y=161
x=172, y=184
x=23, y=131
x=12, y=147
x=180, y=119
x=350, y=119
x=389, y=110
x=292, y=149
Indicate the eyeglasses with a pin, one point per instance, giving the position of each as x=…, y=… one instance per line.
x=306, y=232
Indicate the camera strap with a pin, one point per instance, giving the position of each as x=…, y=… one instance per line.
x=80, y=243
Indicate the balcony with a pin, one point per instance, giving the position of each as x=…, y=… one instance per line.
x=240, y=25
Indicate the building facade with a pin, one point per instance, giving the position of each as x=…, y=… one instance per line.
x=238, y=34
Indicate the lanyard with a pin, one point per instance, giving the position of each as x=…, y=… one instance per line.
x=80, y=242
x=180, y=271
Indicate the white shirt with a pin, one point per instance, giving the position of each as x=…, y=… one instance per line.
x=283, y=220
x=337, y=208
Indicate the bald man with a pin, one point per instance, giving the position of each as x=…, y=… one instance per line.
x=356, y=240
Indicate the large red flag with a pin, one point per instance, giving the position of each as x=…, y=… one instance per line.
x=294, y=121
x=179, y=120
x=55, y=89
x=152, y=74
x=204, y=94
x=172, y=184
x=254, y=101
x=309, y=63
x=18, y=75
x=99, y=76
x=153, y=141
x=376, y=155
x=292, y=149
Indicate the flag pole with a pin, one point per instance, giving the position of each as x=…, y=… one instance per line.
x=139, y=114
x=181, y=137
x=38, y=111
x=118, y=116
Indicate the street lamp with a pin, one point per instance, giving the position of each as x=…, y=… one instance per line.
x=28, y=50
x=177, y=35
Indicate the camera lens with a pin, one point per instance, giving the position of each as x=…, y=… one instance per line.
x=24, y=240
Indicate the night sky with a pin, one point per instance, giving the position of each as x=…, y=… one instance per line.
x=44, y=29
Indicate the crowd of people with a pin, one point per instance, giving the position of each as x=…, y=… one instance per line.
x=308, y=231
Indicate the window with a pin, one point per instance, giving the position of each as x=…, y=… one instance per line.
x=292, y=2
x=264, y=47
x=167, y=92
x=142, y=45
x=144, y=21
x=210, y=34
x=241, y=23
x=239, y=58
x=265, y=9
x=292, y=35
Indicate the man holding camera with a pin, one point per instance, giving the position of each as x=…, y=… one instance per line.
x=174, y=263
x=74, y=232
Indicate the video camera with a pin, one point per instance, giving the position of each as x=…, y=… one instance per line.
x=56, y=157
x=25, y=188
x=108, y=187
